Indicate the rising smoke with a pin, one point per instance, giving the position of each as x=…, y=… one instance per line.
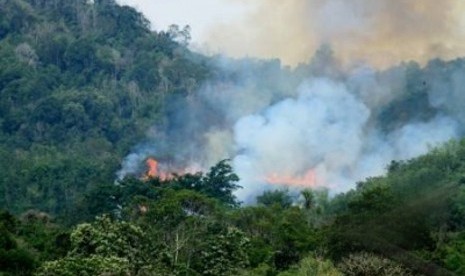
x=323, y=123
x=381, y=32
x=279, y=126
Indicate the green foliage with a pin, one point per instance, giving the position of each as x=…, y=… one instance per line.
x=15, y=257
x=223, y=254
x=179, y=223
x=278, y=236
x=94, y=265
x=107, y=238
x=42, y=235
x=8, y=221
x=374, y=197
x=79, y=82
x=312, y=266
x=220, y=182
x=104, y=246
x=308, y=199
x=17, y=261
x=281, y=198
x=412, y=209
x=452, y=253
x=175, y=207
x=411, y=217
x=368, y=264
x=258, y=223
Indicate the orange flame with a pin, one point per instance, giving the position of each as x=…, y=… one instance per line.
x=154, y=171
x=306, y=180
x=152, y=168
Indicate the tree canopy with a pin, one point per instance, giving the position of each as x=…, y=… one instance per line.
x=81, y=80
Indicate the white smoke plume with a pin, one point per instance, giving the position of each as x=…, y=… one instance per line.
x=315, y=126
x=321, y=129
x=325, y=129
x=132, y=163
x=332, y=120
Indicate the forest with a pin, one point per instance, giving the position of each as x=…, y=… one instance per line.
x=82, y=82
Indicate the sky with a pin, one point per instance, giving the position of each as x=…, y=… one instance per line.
x=200, y=15
x=381, y=33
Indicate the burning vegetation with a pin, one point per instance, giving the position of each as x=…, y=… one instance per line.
x=154, y=171
x=165, y=171
x=308, y=180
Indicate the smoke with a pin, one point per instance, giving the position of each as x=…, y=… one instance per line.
x=329, y=122
x=326, y=129
x=382, y=32
x=132, y=163
x=318, y=125
x=448, y=88
x=321, y=129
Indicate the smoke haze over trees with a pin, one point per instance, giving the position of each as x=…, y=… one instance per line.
x=344, y=125
x=344, y=168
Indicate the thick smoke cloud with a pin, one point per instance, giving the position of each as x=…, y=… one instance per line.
x=326, y=129
x=382, y=32
x=323, y=123
x=316, y=126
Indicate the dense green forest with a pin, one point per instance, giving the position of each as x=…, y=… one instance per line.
x=79, y=84
x=81, y=81
x=409, y=222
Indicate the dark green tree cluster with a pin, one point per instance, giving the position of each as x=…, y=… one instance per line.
x=28, y=241
x=80, y=81
x=409, y=222
x=166, y=227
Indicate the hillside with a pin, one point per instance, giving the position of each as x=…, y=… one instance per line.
x=88, y=92
x=79, y=84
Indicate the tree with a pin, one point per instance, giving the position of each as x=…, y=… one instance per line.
x=223, y=254
x=312, y=266
x=15, y=259
x=369, y=264
x=452, y=253
x=218, y=183
x=25, y=53
x=109, y=238
x=182, y=36
x=104, y=246
x=177, y=223
x=93, y=265
x=308, y=199
x=280, y=198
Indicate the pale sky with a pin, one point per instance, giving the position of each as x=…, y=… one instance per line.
x=201, y=15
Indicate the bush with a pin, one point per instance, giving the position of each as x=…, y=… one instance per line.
x=311, y=266
x=94, y=265
x=363, y=263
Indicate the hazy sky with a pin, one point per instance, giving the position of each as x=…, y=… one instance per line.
x=381, y=32
x=201, y=15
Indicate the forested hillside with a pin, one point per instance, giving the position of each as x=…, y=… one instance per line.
x=82, y=82
x=409, y=222
x=79, y=84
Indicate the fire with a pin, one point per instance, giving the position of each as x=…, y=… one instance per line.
x=306, y=180
x=166, y=172
x=152, y=168
x=154, y=171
